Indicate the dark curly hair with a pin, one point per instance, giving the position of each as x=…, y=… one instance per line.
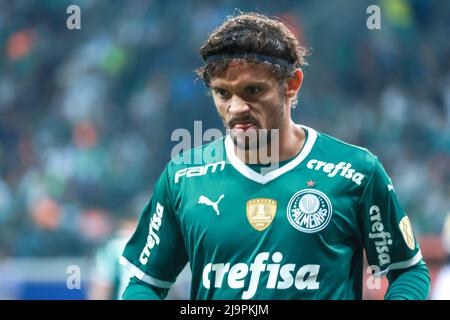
x=252, y=34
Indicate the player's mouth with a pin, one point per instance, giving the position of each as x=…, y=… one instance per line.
x=244, y=126
x=243, y=123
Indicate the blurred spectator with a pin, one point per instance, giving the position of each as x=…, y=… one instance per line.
x=108, y=278
x=441, y=286
x=43, y=235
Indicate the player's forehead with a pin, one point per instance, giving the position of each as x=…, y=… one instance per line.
x=240, y=73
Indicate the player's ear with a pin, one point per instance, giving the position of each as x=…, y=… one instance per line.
x=294, y=83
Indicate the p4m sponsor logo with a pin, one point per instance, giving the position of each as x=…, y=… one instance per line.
x=199, y=170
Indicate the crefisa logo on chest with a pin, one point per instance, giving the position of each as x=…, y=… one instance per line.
x=309, y=210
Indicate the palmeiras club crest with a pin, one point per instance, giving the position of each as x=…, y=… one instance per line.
x=309, y=210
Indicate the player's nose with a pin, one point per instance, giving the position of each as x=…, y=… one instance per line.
x=238, y=105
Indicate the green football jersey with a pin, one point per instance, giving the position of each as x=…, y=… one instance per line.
x=296, y=232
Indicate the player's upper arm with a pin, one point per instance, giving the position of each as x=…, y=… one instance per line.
x=387, y=232
x=156, y=254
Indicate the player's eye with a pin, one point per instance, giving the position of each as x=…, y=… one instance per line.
x=253, y=90
x=221, y=93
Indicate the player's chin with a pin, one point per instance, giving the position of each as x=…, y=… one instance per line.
x=252, y=138
x=244, y=142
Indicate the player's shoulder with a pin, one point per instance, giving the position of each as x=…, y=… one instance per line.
x=337, y=150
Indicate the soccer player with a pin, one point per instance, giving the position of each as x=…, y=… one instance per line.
x=441, y=288
x=108, y=279
x=295, y=227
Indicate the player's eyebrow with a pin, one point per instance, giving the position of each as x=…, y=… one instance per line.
x=256, y=84
x=225, y=86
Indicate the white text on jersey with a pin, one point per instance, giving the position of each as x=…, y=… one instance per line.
x=199, y=171
x=152, y=239
x=332, y=169
x=305, y=278
x=382, y=246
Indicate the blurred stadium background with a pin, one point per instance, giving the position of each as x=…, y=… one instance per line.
x=86, y=117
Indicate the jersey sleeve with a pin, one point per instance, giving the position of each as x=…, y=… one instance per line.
x=156, y=252
x=388, y=236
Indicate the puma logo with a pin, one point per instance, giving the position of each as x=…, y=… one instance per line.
x=206, y=201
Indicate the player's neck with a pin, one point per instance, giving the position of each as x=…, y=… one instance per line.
x=285, y=146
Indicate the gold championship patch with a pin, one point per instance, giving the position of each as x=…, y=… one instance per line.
x=407, y=232
x=260, y=212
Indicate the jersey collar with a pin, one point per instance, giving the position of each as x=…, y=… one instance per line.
x=249, y=173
